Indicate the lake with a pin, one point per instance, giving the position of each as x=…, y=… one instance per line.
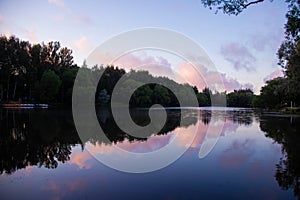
x=246, y=155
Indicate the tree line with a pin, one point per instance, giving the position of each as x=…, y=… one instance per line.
x=45, y=73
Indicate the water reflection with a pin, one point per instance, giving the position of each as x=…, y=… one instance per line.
x=35, y=138
x=140, y=117
x=285, y=131
x=46, y=138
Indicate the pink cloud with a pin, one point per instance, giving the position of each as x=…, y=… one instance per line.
x=80, y=159
x=82, y=44
x=275, y=74
x=152, y=144
x=195, y=74
x=205, y=132
x=130, y=61
x=183, y=134
x=157, y=66
x=199, y=76
x=232, y=84
x=239, y=56
x=59, y=3
x=184, y=72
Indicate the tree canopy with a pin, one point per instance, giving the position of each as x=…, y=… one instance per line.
x=39, y=72
x=234, y=7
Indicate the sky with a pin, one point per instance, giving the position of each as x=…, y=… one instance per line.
x=243, y=48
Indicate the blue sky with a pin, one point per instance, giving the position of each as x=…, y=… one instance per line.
x=242, y=47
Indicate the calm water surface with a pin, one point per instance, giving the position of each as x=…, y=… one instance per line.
x=256, y=157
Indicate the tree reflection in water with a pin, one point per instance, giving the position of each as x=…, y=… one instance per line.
x=285, y=131
x=37, y=137
x=46, y=137
x=29, y=137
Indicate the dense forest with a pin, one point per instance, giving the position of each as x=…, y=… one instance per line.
x=45, y=73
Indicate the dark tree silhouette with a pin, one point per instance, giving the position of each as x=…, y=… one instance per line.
x=229, y=7
x=285, y=131
x=35, y=138
x=240, y=98
x=23, y=66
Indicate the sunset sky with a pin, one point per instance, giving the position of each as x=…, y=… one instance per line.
x=243, y=48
